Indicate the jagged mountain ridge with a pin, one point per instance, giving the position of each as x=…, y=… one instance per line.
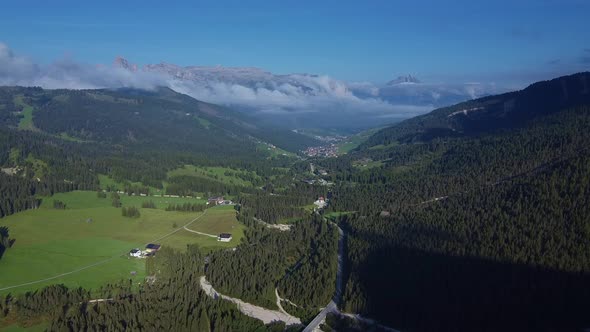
x=251, y=77
x=257, y=90
x=408, y=79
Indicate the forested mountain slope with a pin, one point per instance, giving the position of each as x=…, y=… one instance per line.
x=126, y=116
x=61, y=140
x=490, y=114
x=474, y=220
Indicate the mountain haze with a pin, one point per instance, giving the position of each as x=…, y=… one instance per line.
x=306, y=100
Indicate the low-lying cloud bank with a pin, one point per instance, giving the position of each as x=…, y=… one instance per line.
x=69, y=74
x=262, y=93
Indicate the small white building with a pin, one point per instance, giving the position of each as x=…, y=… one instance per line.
x=215, y=200
x=135, y=252
x=224, y=237
x=320, y=203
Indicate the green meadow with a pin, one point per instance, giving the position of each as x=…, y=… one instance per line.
x=274, y=152
x=219, y=174
x=355, y=140
x=26, y=123
x=88, y=199
x=17, y=328
x=51, y=242
x=105, y=181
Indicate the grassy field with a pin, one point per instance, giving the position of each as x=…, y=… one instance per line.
x=67, y=137
x=88, y=199
x=274, y=152
x=347, y=146
x=336, y=214
x=221, y=174
x=381, y=146
x=355, y=140
x=203, y=122
x=39, y=167
x=367, y=164
x=16, y=328
x=26, y=123
x=106, y=181
x=219, y=219
x=50, y=242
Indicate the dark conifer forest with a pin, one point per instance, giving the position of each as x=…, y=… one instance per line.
x=483, y=229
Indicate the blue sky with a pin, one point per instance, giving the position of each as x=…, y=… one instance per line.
x=498, y=41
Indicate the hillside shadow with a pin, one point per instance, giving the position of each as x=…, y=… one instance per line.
x=414, y=290
x=5, y=241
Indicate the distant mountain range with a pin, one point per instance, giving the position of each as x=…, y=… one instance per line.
x=409, y=79
x=306, y=100
x=297, y=100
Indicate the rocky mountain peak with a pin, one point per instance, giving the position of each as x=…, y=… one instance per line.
x=408, y=79
x=121, y=62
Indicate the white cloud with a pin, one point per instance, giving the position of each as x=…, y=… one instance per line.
x=249, y=88
x=13, y=69
x=68, y=74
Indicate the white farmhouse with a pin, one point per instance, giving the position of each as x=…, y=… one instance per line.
x=135, y=252
x=224, y=237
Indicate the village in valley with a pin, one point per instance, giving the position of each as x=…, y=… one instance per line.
x=327, y=151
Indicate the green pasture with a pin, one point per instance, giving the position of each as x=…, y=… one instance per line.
x=88, y=199
x=51, y=242
x=17, y=328
x=26, y=123
x=106, y=181
x=274, y=152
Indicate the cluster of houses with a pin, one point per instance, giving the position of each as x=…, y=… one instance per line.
x=150, y=250
x=330, y=150
x=219, y=201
